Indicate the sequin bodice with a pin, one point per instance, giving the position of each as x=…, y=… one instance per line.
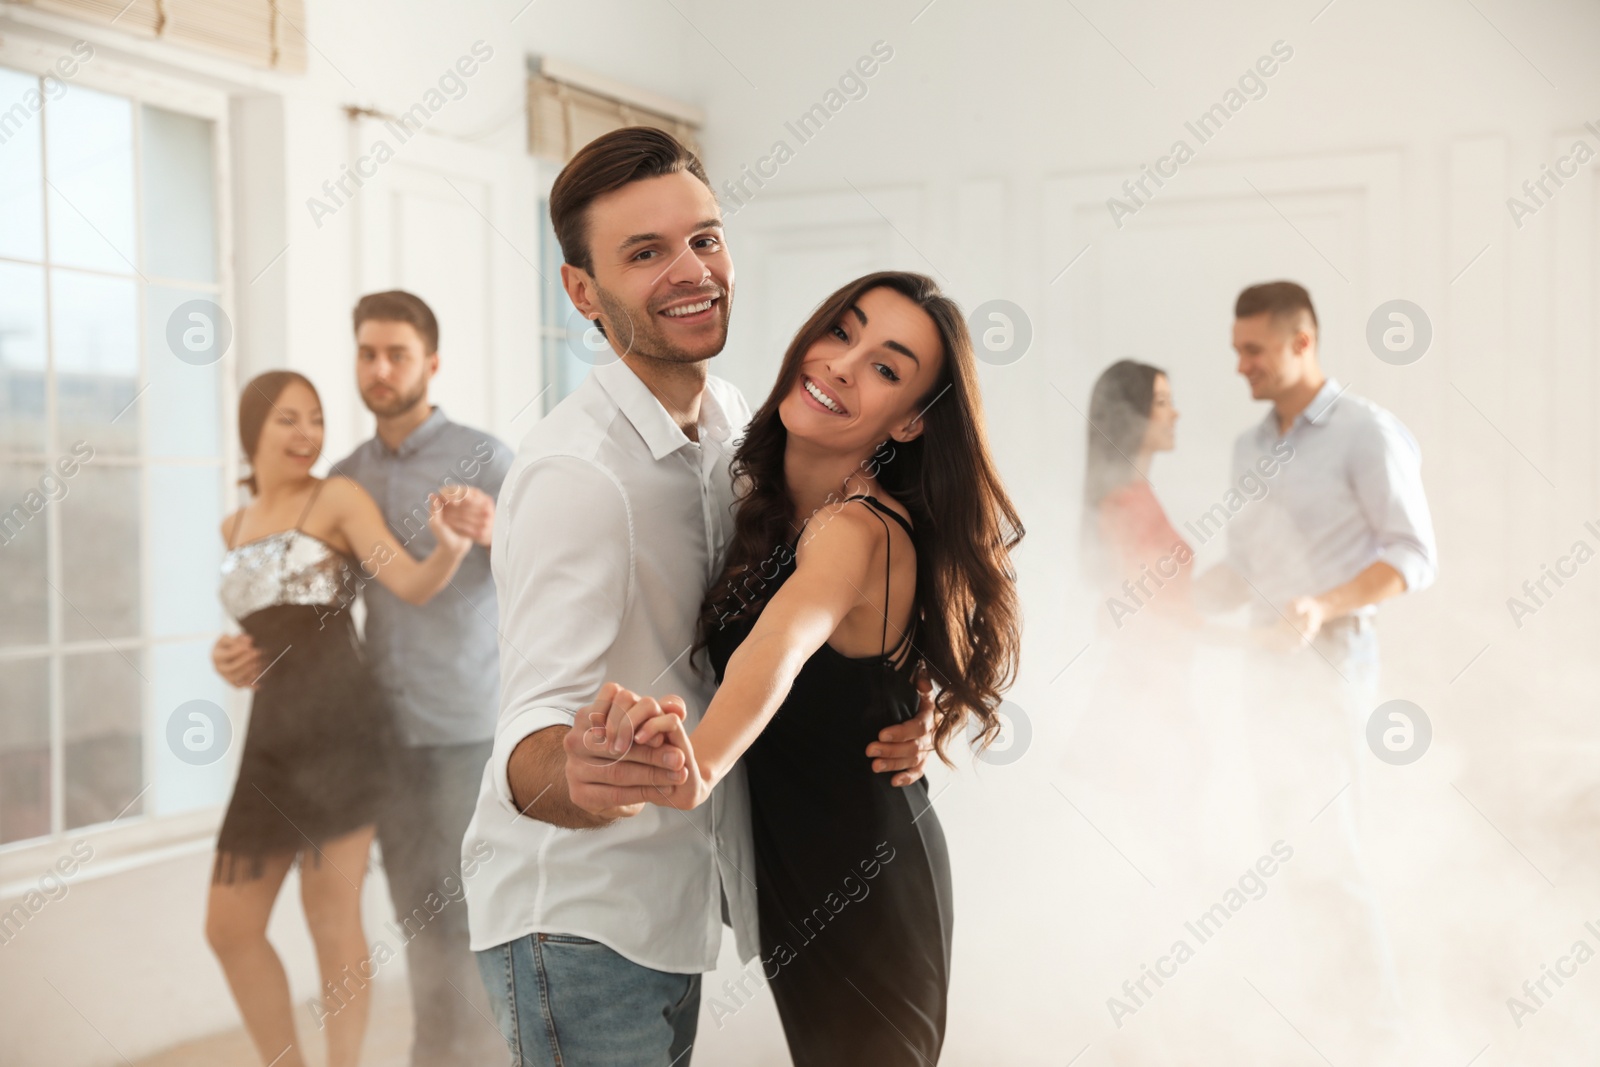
x=290, y=567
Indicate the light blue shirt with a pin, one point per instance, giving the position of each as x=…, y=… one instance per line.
x=1349, y=496
x=438, y=663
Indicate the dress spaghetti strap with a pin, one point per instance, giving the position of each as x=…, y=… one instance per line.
x=880, y=510
x=233, y=533
x=238, y=516
x=317, y=489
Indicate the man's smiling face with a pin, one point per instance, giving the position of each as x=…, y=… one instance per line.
x=663, y=278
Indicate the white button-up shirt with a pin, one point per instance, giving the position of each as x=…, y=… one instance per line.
x=610, y=527
x=1348, y=496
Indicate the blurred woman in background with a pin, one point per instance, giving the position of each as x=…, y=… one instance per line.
x=315, y=769
x=1140, y=557
x=1136, y=759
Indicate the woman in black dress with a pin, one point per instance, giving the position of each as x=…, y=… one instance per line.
x=872, y=537
x=315, y=768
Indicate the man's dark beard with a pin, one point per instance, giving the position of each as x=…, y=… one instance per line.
x=402, y=402
x=629, y=335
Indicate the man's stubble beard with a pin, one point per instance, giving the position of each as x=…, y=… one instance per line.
x=645, y=339
x=402, y=402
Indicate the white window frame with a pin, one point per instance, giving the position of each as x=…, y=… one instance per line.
x=132, y=840
x=550, y=329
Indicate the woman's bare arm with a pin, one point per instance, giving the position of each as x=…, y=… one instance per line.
x=831, y=570
x=361, y=525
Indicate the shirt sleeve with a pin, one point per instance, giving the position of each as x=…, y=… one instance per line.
x=494, y=472
x=1387, y=477
x=562, y=569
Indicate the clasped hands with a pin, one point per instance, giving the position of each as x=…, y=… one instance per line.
x=625, y=751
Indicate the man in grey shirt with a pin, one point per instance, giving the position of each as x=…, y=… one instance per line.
x=1344, y=525
x=438, y=665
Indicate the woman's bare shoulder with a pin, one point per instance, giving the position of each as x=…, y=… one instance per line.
x=345, y=494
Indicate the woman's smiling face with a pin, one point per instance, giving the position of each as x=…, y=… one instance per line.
x=863, y=380
x=291, y=438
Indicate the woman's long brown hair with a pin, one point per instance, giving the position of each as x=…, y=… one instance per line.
x=969, y=619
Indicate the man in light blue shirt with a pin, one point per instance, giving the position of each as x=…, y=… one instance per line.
x=1345, y=523
x=1343, y=526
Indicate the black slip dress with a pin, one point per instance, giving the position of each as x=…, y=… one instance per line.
x=852, y=874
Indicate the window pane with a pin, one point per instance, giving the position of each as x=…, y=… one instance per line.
x=22, y=382
x=179, y=674
x=184, y=401
x=562, y=366
x=185, y=549
x=571, y=368
x=24, y=749
x=89, y=156
x=103, y=766
x=96, y=323
x=25, y=495
x=179, y=218
x=100, y=554
x=21, y=180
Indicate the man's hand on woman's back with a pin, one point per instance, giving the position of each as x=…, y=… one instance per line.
x=235, y=657
x=903, y=749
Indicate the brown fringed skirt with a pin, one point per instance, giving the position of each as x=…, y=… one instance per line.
x=319, y=750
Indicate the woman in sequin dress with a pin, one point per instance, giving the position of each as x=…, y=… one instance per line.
x=315, y=767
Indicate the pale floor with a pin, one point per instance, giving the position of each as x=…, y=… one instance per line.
x=388, y=1039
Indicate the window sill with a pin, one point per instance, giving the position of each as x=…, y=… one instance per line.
x=112, y=850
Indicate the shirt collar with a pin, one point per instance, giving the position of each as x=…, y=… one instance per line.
x=1321, y=406
x=714, y=424
x=426, y=431
x=1316, y=413
x=661, y=434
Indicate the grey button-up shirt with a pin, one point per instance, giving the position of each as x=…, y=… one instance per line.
x=1349, y=496
x=438, y=663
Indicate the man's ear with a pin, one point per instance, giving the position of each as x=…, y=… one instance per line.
x=1303, y=339
x=581, y=290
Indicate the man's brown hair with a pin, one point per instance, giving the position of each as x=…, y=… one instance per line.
x=1282, y=300
x=397, y=305
x=605, y=164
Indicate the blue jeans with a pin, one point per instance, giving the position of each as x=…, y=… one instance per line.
x=564, y=1001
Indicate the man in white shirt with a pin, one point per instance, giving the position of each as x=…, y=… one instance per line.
x=1344, y=526
x=593, y=914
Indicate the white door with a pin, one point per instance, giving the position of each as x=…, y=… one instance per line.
x=442, y=219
